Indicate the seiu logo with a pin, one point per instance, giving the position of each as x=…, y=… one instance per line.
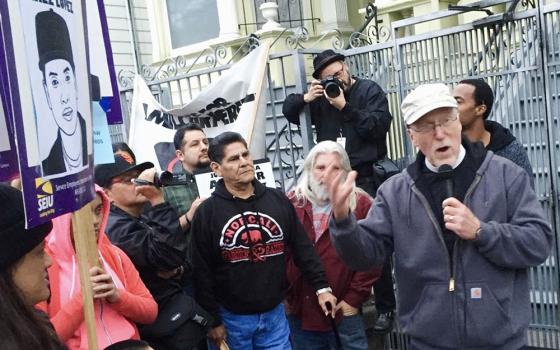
x=45, y=198
x=45, y=202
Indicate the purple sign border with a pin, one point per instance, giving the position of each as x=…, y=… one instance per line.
x=114, y=115
x=8, y=159
x=64, y=200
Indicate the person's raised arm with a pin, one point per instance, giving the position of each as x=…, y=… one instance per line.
x=339, y=191
x=294, y=103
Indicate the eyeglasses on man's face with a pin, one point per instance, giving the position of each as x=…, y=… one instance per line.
x=427, y=127
x=125, y=178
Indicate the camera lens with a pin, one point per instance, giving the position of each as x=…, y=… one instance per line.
x=165, y=178
x=332, y=89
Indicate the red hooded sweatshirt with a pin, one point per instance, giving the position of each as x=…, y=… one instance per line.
x=114, y=321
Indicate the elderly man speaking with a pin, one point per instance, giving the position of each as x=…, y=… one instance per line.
x=464, y=225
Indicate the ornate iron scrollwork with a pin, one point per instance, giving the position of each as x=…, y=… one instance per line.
x=125, y=78
x=297, y=37
x=375, y=31
x=211, y=57
x=300, y=36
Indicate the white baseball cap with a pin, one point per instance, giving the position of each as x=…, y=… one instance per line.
x=424, y=99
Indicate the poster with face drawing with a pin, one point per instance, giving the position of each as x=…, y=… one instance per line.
x=49, y=84
x=61, y=127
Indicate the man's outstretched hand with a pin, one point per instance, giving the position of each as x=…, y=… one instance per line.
x=339, y=191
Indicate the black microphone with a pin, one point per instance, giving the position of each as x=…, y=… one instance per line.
x=445, y=171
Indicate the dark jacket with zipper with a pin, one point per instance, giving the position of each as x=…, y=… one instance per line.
x=479, y=297
x=239, y=251
x=153, y=242
x=364, y=122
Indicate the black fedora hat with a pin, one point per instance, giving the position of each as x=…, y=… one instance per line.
x=324, y=59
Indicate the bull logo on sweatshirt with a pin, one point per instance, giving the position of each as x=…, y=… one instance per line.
x=251, y=236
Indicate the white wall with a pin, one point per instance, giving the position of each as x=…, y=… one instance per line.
x=121, y=35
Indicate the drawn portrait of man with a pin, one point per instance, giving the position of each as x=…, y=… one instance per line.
x=68, y=154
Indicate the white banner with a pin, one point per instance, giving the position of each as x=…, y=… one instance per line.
x=234, y=102
x=206, y=181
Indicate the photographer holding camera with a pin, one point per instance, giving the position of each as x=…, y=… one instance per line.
x=355, y=113
x=352, y=111
x=147, y=229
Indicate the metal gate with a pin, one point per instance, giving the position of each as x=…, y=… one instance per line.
x=517, y=53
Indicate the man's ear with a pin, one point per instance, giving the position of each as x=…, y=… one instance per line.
x=481, y=109
x=107, y=191
x=411, y=137
x=47, y=94
x=216, y=168
x=179, y=154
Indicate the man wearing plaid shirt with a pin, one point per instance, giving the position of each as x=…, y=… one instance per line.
x=191, y=147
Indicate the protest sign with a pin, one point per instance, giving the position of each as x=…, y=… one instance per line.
x=48, y=81
x=104, y=86
x=8, y=155
x=234, y=102
x=45, y=74
x=102, y=145
x=206, y=181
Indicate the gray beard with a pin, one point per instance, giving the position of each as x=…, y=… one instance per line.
x=320, y=193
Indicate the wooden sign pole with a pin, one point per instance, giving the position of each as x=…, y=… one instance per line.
x=86, y=252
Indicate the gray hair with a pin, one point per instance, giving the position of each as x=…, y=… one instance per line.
x=302, y=191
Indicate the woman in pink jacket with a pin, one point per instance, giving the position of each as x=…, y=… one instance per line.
x=120, y=297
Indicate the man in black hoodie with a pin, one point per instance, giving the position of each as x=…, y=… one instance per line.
x=240, y=237
x=475, y=99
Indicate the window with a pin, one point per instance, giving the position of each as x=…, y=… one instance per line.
x=192, y=21
x=291, y=14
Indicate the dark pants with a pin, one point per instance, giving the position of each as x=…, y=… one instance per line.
x=383, y=290
x=368, y=184
x=187, y=337
x=351, y=331
x=383, y=287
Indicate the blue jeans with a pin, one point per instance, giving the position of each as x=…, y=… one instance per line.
x=268, y=330
x=351, y=331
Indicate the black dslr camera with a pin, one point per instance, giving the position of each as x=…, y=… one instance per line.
x=165, y=178
x=332, y=86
